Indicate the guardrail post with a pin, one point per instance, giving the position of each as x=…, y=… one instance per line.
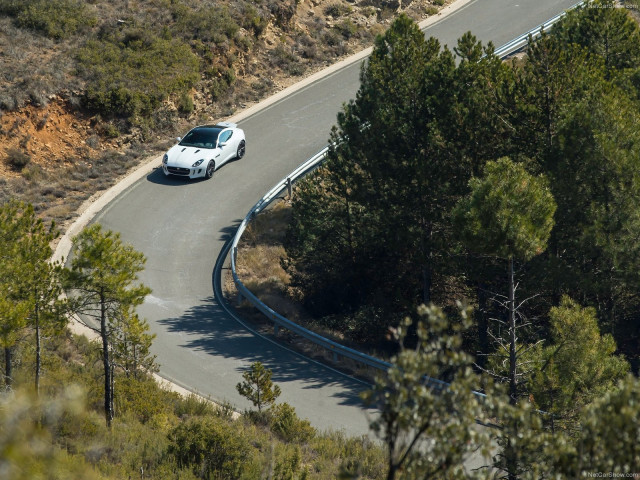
x=239, y=299
x=276, y=329
x=290, y=188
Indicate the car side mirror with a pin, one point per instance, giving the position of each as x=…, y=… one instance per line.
x=179, y=139
x=222, y=144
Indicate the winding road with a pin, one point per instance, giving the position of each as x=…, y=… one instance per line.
x=182, y=227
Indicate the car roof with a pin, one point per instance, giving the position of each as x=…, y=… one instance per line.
x=218, y=126
x=209, y=127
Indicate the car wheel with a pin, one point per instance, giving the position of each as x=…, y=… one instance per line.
x=241, y=149
x=211, y=167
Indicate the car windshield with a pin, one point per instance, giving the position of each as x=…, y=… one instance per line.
x=201, y=137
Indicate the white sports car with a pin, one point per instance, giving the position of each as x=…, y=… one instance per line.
x=203, y=150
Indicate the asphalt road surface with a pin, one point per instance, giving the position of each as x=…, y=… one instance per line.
x=182, y=226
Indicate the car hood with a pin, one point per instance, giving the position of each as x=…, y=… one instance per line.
x=181, y=156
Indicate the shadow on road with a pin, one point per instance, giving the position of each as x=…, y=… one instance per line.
x=227, y=233
x=208, y=328
x=158, y=177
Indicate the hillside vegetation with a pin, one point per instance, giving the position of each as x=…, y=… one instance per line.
x=156, y=434
x=91, y=88
x=513, y=187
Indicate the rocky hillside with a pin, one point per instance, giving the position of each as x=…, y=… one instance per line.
x=89, y=88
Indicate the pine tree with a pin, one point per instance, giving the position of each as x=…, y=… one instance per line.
x=40, y=282
x=509, y=213
x=384, y=193
x=131, y=344
x=426, y=425
x=30, y=286
x=14, y=307
x=577, y=366
x=605, y=31
x=104, y=272
x=257, y=386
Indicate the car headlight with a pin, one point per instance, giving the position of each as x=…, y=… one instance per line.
x=198, y=162
x=165, y=159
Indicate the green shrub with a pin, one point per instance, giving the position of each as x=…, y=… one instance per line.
x=193, y=405
x=55, y=18
x=439, y=3
x=17, y=159
x=281, y=57
x=337, y=10
x=288, y=426
x=210, y=447
x=254, y=20
x=221, y=80
x=282, y=11
x=132, y=77
x=13, y=7
x=185, y=103
x=332, y=38
x=109, y=130
x=141, y=397
x=207, y=24
x=287, y=463
x=347, y=28
x=358, y=457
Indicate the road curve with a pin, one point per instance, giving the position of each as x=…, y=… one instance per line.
x=182, y=227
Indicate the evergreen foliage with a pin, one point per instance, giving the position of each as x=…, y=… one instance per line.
x=104, y=272
x=508, y=213
x=605, y=31
x=257, y=386
x=577, y=366
x=378, y=204
x=415, y=408
x=122, y=72
x=373, y=229
x=62, y=433
x=383, y=225
x=209, y=448
x=30, y=286
x=56, y=19
x=610, y=428
x=131, y=344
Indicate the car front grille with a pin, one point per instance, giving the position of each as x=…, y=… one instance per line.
x=178, y=171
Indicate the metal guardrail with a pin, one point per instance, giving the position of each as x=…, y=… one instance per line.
x=286, y=184
x=278, y=319
x=521, y=41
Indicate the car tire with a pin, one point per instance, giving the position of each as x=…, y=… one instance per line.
x=211, y=167
x=241, y=149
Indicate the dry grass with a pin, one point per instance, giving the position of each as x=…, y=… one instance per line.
x=259, y=260
x=260, y=253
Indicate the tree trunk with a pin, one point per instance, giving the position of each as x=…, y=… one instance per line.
x=513, y=381
x=391, y=474
x=108, y=405
x=38, y=350
x=511, y=451
x=426, y=284
x=427, y=267
x=111, y=390
x=511, y=457
x=391, y=446
x=8, y=364
x=483, y=325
